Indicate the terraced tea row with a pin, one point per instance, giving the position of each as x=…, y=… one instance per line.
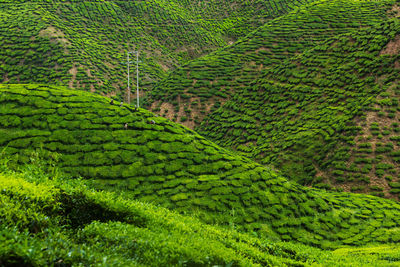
x=158, y=161
x=301, y=115
x=192, y=91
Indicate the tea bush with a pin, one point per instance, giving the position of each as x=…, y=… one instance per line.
x=220, y=75
x=83, y=44
x=115, y=231
x=157, y=161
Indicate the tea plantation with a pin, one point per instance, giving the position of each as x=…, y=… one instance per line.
x=303, y=116
x=190, y=92
x=154, y=160
x=48, y=220
x=295, y=104
x=306, y=114
x=83, y=44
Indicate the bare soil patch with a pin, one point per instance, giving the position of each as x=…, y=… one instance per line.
x=55, y=34
x=367, y=136
x=393, y=47
x=395, y=11
x=73, y=72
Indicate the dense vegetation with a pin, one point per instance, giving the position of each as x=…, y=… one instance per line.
x=301, y=115
x=190, y=92
x=50, y=220
x=306, y=94
x=155, y=160
x=307, y=115
x=83, y=44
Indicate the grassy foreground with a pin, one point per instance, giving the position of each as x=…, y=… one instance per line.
x=52, y=220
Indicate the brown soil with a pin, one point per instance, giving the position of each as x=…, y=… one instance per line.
x=55, y=34
x=163, y=67
x=367, y=136
x=262, y=49
x=393, y=47
x=72, y=71
x=108, y=64
x=395, y=11
x=168, y=110
x=110, y=94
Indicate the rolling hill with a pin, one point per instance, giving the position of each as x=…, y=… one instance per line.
x=189, y=93
x=326, y=117
x=293, y=105
x=157, y=161
x=83, y=44
x=317, y=115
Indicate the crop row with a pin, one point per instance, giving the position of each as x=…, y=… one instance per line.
x=83, y=44
x=301, y=115
x=219, y=75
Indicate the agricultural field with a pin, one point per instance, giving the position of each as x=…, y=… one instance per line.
x=326, y=117
x=154, y=160
x=191, y=92
x=270, y=133
x=83, y=44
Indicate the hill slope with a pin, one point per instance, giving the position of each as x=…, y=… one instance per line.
x=55, y=221
x=197, y=88
x=157, y=161
x=83, y=44
x=301, y=116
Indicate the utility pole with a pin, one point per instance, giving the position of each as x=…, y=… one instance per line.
x=137, y=78
x=128, y=62
x=129, y=89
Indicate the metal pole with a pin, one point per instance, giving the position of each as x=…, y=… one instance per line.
x=129, y=90
x=137, y=77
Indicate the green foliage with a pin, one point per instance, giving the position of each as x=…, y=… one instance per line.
x=300, y=94
x=221, y=75
x=83, y=44
x=115, y=231
x=167, y=164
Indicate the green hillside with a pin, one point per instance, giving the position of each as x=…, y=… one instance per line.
x=314, y=115
x=155, y=160
x=294, y=106
x=192, y=91
x=50, y=221
x=83, y=44
x=303, y=116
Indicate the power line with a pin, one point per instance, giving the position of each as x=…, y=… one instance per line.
x=128, y=62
